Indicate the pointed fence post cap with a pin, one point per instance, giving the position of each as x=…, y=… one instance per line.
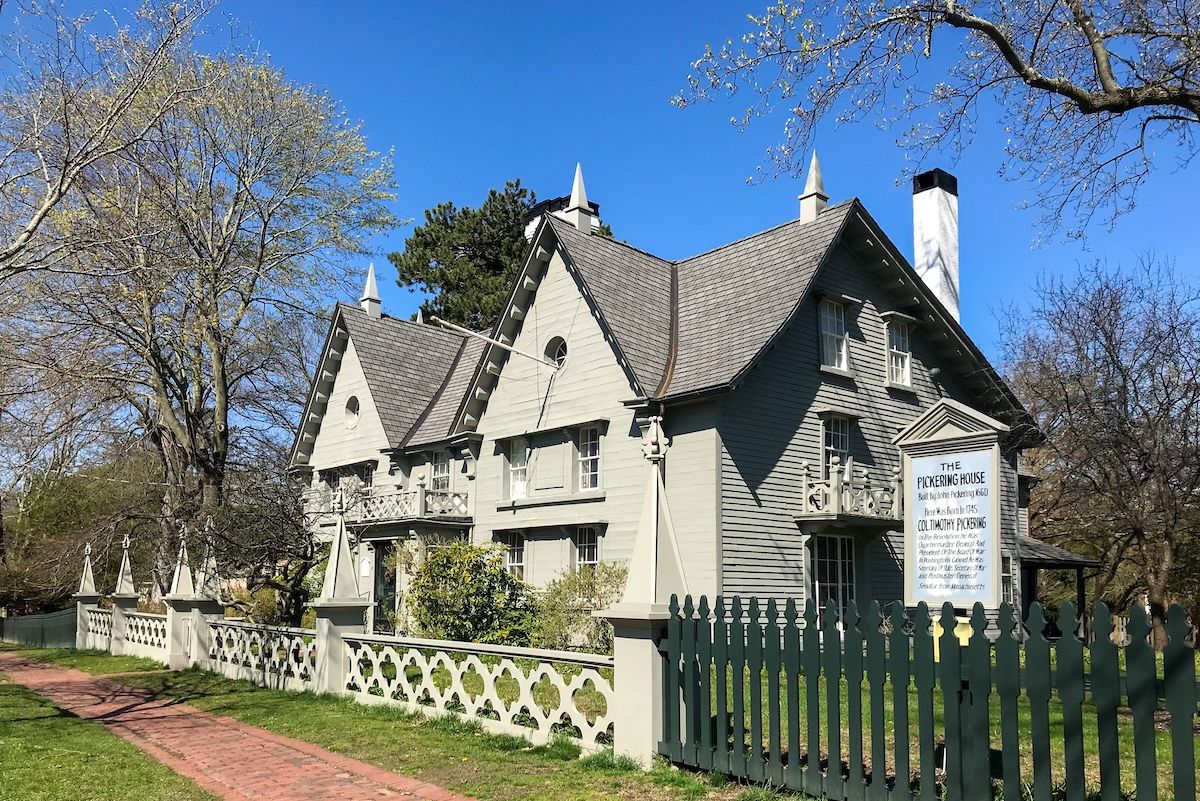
x=125, y=574
x=341, y=579
x=181, y=582
x=87, y=583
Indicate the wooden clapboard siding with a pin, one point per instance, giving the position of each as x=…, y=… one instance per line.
x=769, y=425
x=336, y=444
x=591, y=386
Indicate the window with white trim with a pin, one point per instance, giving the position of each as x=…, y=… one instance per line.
x=1006, y=579
x=514, y=557
x=518, y=469
x=899, y=353
x=440, y=472
x=835, y=344
x=587, y=547
x=833, y=571
x=837, y=442
x=589, y=458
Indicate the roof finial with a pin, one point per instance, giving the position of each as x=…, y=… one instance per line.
x=814, y=199
x=370, y=301
x=579, y=212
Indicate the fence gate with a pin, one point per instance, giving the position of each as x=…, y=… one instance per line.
x=886, y=707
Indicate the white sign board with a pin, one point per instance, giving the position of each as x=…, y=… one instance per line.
x=953, y=541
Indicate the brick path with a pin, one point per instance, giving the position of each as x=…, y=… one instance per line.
x=224, y=756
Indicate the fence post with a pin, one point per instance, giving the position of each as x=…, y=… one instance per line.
x=181, y=602
x=86, y=598
x=640, y=619
x=124, y=601
x=340, y=609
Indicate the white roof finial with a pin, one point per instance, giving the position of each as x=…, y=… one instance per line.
x=578, y=193
x=814, y=199
x=579, y=211
x=370, y=301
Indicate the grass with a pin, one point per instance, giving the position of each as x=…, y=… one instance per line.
x=49, y=755
x=449, y=752
x=98, y=663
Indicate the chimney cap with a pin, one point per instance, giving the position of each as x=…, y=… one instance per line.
x=937, y=178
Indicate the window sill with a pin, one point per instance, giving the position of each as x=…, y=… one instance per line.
x=838, y=371
x=905, y=388
x=591, y=496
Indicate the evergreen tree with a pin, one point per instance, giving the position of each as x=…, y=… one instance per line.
x=467, y=258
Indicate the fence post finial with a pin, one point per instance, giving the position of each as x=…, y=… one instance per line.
x=181, y=582
x=87, y=582
x=125, y=574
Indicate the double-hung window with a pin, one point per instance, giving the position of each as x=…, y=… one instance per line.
x=587, y=547
x=1006, y=579
x=441, y=472
x=835, y=344
x=589, y=458
x=899, y=353
x=833, y=560
x=518, y=469
x=514, y=558
x=837, y=442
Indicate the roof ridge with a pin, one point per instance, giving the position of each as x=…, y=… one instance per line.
x=613, y=241
x=765, y=231
x=413, y=324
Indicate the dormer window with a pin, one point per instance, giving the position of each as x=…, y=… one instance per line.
x=835, y=344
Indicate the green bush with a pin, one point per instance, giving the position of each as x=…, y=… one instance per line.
x=465, y=592
x=565, y=619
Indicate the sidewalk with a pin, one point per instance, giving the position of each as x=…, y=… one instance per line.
x=224, y=756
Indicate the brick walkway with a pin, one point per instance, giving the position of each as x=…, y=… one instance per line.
x=224, y=756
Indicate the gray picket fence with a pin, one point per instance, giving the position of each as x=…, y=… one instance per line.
x=51, y=630
x=872, y=707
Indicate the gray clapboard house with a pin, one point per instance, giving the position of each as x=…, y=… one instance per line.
x=783, y=366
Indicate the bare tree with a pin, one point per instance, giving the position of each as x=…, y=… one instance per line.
x=1109, y=365
x=1083, y=89
x=71, y=98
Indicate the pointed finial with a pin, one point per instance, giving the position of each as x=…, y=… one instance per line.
x=87, y=583
x=181, y=582
x=341, y=579
x=125, y=574
x=579, y=212
x=370, y=301
x=814, y=199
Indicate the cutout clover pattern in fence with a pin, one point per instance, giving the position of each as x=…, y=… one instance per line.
x=529, y=692
x=272, y=656
x=146, y=635
x=99, y=631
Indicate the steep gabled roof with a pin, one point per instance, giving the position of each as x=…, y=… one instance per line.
x=733, y=301
x=437, y=423
x=405, y=364
x=633, y=292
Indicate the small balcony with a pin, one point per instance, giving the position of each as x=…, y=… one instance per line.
x=852, y=494
x=385, y=505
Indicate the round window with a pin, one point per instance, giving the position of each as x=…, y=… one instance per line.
x=352, y=411
x=556, y=351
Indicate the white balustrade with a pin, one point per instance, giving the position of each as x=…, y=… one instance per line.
x=380, y=504
x=529, y=692
x=850, y=490
x=272, y=656
x=99, y=634
x=146, y=635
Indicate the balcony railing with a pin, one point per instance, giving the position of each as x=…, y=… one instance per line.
x=379, y=505
x=850, y=491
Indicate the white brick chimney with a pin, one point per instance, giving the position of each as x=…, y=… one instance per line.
x=935, y=234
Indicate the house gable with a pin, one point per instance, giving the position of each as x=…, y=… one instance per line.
x=343, y=438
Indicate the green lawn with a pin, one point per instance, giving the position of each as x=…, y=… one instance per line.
x=49, y=755
x=449, y=753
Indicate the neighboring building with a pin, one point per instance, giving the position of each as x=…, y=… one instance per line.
x=783, y=366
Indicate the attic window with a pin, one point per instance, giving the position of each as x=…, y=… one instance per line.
x=352, y=407
x=556, y=351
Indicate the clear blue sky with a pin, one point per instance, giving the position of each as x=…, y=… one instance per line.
x=471, y=94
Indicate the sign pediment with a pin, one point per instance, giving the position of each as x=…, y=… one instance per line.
x=948, y=420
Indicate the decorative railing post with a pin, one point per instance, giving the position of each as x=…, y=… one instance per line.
x=640, y=619
x=340, y=609
x=124, y=602
x=421, y=510
x=86, y=598
x=835, y=487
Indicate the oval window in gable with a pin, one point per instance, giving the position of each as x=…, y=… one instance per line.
x=352, y=409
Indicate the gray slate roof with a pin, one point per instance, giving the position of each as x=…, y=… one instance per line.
x=437, y=424
x=405, y=364
x=1044, y=555
x=734, y=300
x=633, y=290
